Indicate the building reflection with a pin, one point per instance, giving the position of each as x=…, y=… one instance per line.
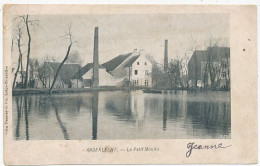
x=128, y=107
x=121, y=107
x=209, y=117
x=169, y=113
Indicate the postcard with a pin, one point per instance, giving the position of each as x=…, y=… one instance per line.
x=130, y=84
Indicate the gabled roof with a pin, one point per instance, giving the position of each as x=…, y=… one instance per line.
x=131, y=61
x=113, y=63
x=66, y=72
x=84, y=70
x=216, y=54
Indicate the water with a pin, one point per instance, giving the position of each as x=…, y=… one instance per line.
x=122, y=115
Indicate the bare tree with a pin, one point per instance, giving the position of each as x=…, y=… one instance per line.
x=74, y=57
x=28, y=23
x=227, y=67
x=212, y=69
x=174, y=73
x=185, y=69
x=157, y=75
x=194, y=47
x=67, y=36
x=42, y=76
x=19, y=36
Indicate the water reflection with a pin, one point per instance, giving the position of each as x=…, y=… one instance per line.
x=62, y=126
x=19, y=112
x=122, y=115
x=165, y=110
x=94, y=115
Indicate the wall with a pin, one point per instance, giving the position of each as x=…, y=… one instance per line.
x=105, y=79
x=141, y=68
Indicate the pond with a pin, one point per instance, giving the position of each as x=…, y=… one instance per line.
x=115, y=115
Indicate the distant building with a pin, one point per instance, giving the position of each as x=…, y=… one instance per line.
x=84, y=77
x=134, y=68
x=219, y=60
x=63, y=80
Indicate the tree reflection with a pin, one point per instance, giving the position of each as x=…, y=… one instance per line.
x=135, y=114
x=62, y=126
x=18, y=101
x=209, y=117
x=27, y=110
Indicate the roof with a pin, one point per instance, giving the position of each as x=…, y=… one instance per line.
x=216, y=53
x=151, y=59
x=67, y=70
x=113, y=63
x=131, y=61
x=84, y=70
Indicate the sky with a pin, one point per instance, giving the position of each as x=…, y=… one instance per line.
x=121, y=34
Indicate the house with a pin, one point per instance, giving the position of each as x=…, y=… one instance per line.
x=84, y=77
x=134, y=68
x=47, y=74
x=211, y=64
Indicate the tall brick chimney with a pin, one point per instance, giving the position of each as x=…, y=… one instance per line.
x=166, y=55
x=95, y=60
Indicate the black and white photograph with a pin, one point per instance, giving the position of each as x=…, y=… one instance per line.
x=121, y=76
x=130, y=84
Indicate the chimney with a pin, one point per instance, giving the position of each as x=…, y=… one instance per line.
x=166, y=55
x=95, y=60
x=141, y=52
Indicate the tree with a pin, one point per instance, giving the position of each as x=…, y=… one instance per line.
x=157, y=76
x=211, y=68
x=194, y=47
x=20, y=64
x=28, y=23
x=227, y=67
x=174, y=73
x=74, y=57
x=67, y=36
x=185, y=70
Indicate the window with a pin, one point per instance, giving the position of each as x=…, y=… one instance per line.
x=137, y=63
x=224, y=75
x=136, y=72
x=146, y=72
x=146, y=82
x=145, y=63
x=135, y=82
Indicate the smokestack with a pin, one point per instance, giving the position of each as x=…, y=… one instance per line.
x=95, y=60
x=166, y=55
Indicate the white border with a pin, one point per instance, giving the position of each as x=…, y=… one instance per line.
x=186, y=2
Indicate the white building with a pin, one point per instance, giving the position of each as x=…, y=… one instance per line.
x=134, y=66
x=84, y=77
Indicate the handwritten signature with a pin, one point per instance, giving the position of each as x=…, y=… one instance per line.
x=192, y=146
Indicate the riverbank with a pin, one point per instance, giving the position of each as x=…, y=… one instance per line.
x=30, y=91
x=65, y=90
